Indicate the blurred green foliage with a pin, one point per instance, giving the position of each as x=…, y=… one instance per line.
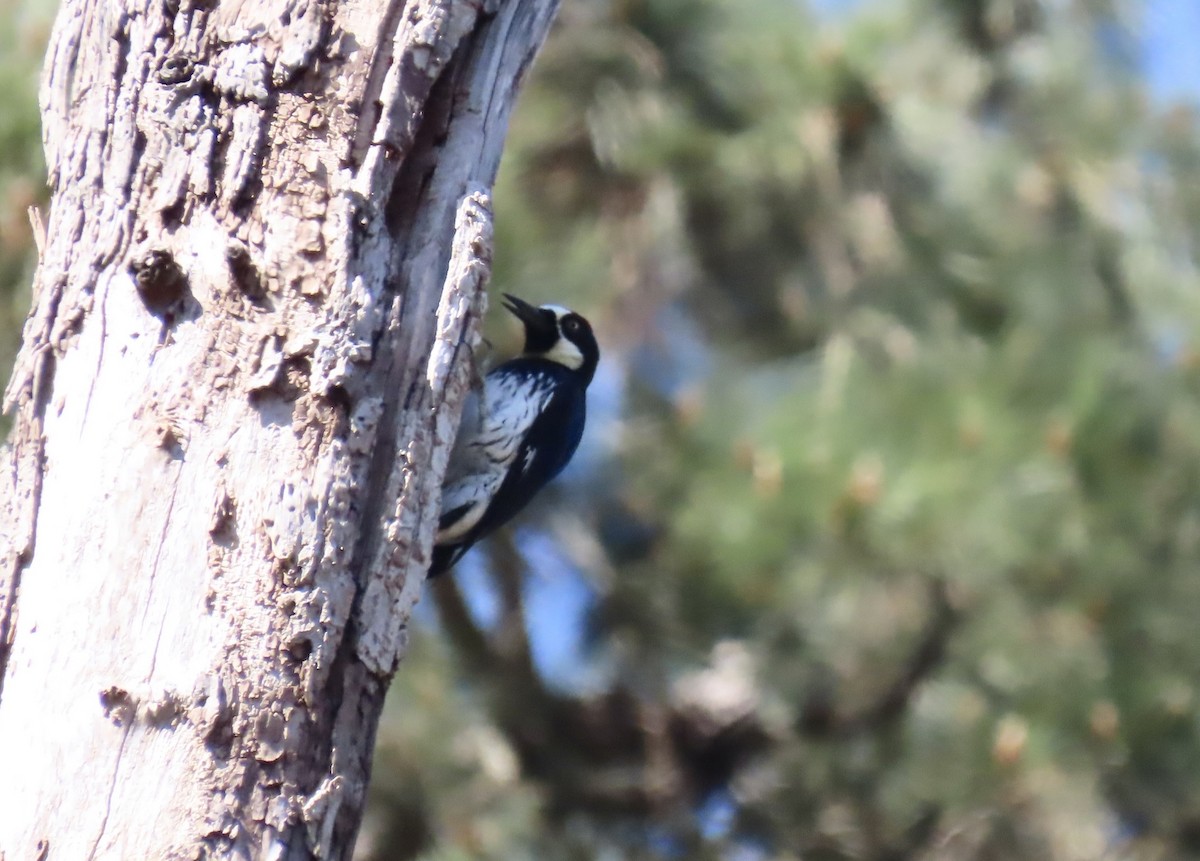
x=24, y=29
x=887, y=519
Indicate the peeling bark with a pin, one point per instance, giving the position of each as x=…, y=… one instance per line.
x=263, y=270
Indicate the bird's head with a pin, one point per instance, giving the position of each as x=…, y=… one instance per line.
x=557, y=334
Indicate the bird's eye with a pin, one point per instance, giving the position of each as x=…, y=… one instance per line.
x=570, y=325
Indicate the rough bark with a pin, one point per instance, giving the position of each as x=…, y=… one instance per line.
x=261, y=276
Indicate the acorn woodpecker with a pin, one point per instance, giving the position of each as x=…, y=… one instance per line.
x=521, y=432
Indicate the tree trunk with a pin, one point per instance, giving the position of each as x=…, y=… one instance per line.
x=260, y=283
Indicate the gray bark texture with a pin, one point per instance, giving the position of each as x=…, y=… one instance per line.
x=261, y=278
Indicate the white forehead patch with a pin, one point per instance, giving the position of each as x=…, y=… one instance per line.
x=559, y=310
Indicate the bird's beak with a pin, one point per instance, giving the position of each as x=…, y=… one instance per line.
x=537, y=322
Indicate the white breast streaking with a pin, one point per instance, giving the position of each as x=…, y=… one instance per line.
x=485, y=452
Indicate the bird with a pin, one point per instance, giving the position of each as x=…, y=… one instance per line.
x=518, y=432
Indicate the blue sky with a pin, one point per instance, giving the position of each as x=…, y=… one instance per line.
x=1169, y=30
x=1169, y=56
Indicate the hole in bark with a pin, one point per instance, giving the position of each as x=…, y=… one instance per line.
x=296, y=371
x=168, y=438
x=224, y=524
x=335, y=412
x=363, y=212
x=118, y=705
x=172, y=216
x=245, y=275
x=300, y=648
x=339, y=398
x=163, y=286
x=219, y=738
x=243, y=204
x=176, y=69
x=289, y=573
